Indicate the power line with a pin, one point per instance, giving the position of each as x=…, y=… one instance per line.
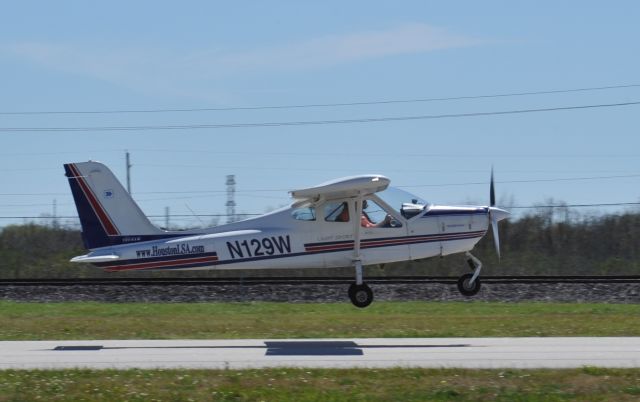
x=33, y=153
x=416, y=185
x=148, y=216
x=369, y=154
x=313, y=122
x=406, y=170
x=526, y=181
x=324, y=105
x=28, y=169
x=252, y=196
x=33, y=205
x=304, y=154
x=401, y=186
x=611, y=204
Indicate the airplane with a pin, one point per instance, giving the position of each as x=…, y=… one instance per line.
x=349, y=222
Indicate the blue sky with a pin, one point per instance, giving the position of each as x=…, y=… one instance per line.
x=80, y=56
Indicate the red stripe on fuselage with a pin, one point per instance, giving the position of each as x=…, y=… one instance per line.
x=402, y=241
x=105, y=221
x=337, y=247
x=162, y=264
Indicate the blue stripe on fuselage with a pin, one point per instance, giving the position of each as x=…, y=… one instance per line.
x=408, y=238
x=454, y=212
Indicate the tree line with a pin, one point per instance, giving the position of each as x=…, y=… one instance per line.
x=535, y=244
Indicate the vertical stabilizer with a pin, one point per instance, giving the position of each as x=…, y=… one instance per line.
x=108, y=214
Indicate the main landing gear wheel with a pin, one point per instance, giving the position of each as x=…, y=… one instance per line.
x=466, y=287
x=360, y=295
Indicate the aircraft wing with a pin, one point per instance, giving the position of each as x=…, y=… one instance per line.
x=343, y=188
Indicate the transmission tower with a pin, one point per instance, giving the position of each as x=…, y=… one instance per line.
x=231, y=194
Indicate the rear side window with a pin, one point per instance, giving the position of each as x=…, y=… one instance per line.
x=336, y=212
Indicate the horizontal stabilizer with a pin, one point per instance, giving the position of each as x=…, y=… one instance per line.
x=96, y=258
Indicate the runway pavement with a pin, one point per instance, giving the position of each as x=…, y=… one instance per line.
x=326, y=353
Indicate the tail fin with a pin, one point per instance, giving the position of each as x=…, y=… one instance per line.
x=108, y=214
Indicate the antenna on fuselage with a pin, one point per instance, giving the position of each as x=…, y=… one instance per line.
x=194, y=214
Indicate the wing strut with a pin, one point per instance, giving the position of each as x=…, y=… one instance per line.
x=356, y=239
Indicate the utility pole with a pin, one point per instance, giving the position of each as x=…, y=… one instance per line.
x=231, y=203
x=166, y=218
x=55, y=214
x=128, y=172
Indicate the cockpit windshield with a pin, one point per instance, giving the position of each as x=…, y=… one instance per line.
x=407, y=204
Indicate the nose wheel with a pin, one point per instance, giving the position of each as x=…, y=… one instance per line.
x=469, y=284
x=468, y=288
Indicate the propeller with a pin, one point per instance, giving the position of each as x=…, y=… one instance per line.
x=492, y=191
x=495, y=215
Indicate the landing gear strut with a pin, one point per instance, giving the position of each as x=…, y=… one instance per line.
x=359, y=293
x=469, y=284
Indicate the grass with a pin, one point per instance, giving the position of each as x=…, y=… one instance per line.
x=588, y=384
x=39, y=321
x=81, y=320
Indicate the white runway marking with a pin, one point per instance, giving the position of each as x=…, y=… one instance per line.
x=326, y=353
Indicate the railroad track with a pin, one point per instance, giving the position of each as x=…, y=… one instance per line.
x=312, y=280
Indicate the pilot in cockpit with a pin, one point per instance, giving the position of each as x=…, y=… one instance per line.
x=366, y=221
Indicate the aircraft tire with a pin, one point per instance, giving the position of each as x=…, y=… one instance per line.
x=361, y=295
x=465, y=288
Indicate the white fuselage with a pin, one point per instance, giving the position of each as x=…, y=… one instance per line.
x=278, y=240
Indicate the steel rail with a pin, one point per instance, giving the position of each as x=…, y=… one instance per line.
x=313, y=280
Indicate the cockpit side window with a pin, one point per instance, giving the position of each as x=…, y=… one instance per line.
x=374, y=215
x=304, y=214
x=336, y=212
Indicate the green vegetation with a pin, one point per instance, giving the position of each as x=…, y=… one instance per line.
x=79, y=320
x=537, y=244
x=285, y=384
x=38, y=251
